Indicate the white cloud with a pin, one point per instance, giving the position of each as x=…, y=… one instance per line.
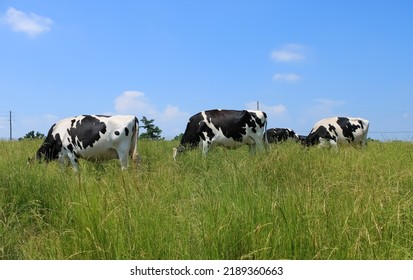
x=289, y=53
x=172, y=112
x=29, y=23
x=328, y=103
x=290, y=77
x=131, y=102
x=324, y=108
x=270, y=110
x=171, y=120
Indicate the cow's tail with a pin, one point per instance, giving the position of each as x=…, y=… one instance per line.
x=366, y=124
x=135, y=136
x=266, y=144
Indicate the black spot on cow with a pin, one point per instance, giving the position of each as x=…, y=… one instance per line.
x=126, y=131
x=78, y=144
x=321, y=132
x=348, y=128
x=117, y=133
x=51, y=147
x=87, y=131
x=332, y=129
x=70, y=147
x=258, y=120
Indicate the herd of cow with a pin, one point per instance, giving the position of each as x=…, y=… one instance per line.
x=99, y=137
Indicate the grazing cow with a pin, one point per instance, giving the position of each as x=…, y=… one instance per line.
x=275, y=135
x=92, y=137
x=228, y=128
x=302, y=139
x=331, y=131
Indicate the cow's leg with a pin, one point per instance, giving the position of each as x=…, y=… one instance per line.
x=123, y=161
x=324, y=143
x=333, y=145
x=253, y=149
x=205, y=146
x=62, y=158
x=73, y=160
x=261, y=145
x=363, y=142
x=64, y=155
x=123, y=157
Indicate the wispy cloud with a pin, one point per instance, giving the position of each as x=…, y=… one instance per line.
x=28, y=23
x=325, y=107
x=171, y=119
x=269, y=109
x=134, y=102
x=289, y=77
x=289, y=53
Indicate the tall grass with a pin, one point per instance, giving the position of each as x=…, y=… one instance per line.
x=288, y=203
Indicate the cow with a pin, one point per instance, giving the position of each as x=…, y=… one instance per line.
x=302, y=139
x=331, y=131
x=276, y=135
x=91, y=137
x=228, y=128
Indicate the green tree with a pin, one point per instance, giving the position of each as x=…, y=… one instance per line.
x=153, y=132
x=178, y=137
x=32, y=135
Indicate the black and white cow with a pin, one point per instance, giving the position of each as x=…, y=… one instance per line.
x=228, y=128
x=275, y=135
x=92, y=137
x=331, y=131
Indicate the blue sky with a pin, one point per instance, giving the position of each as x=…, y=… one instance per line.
x=167, y=60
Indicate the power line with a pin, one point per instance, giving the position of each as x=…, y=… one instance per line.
x=390, y=132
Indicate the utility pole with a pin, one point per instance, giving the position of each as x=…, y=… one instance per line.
x=258, y=105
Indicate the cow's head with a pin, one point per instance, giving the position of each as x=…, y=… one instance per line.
x=293, y=135
x=50, y=148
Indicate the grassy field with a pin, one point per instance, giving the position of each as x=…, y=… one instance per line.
x=289, y=203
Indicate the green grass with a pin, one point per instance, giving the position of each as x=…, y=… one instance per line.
x=288, y=203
